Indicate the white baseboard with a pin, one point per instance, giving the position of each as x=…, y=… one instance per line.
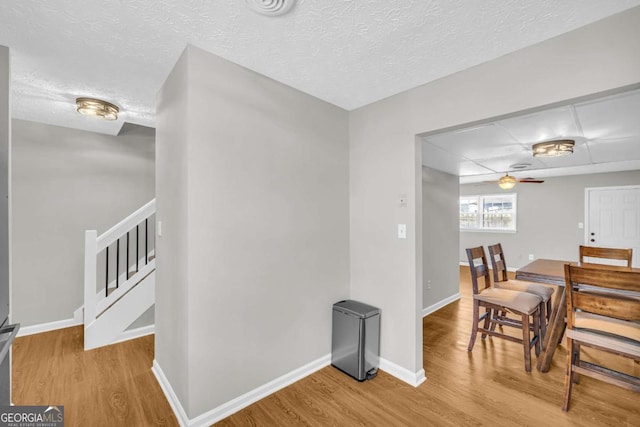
x=135, y=333
x=412, y=378
x=171, y=396
x=240, y=402
x=46, y=327
x=437, y=306
x=67, y=323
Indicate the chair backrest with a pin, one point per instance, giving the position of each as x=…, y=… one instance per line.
x=602, y=295
x=478, y=268
x=498, y=263
x=606, y=253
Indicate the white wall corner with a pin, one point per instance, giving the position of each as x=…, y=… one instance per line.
x=47, y=327
x=437, y=306
x=171, y=396
x=412, y=378
x=240, y=402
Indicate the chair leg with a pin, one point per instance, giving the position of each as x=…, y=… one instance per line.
x=567, y=379
x=575, y=377
x=487, y=322
x=526, y=344
x=549, y=310
x=474, y=326
x=538, y=319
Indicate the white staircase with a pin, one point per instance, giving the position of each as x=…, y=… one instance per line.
x=119, y=277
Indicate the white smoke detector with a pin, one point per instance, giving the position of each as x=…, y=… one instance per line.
x=270, y=7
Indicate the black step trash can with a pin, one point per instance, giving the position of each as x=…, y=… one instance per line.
x=355, y=343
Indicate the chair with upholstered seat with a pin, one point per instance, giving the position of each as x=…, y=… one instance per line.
x=522, y=304
x=597, y=254
x=501, y=280
x=601, y=315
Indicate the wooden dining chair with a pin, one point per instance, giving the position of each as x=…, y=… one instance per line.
x=599, y=315
x=522, y=304
x=501, y=280
x=624, y=255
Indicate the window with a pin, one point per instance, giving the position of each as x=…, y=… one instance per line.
x=495, y=212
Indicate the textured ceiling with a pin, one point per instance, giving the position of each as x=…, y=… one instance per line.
x=349, y=53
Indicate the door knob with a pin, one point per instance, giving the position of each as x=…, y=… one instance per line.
x=593, y=240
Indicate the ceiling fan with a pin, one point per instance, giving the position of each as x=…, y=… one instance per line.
x=507, y=182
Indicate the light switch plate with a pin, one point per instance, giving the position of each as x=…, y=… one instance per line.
x=402, y=231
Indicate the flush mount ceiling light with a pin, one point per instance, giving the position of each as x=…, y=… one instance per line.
x=97, y=108
x=270, y=7
x=561, y=147
x=507, y=182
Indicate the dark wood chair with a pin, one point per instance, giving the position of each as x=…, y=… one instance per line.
x=522, y=304
x=601, y=316
x=501, y=280
x=625, y=255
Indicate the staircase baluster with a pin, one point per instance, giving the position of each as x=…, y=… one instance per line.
x=146, y=241
x=137, y=245
x=126, y=268
x=106, y=275
x=117, y=262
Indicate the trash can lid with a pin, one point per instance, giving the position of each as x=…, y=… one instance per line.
x=356, y=308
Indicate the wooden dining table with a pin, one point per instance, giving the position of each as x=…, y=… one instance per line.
x=551, y=272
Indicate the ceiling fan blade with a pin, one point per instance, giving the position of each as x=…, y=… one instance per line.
x=531, y=180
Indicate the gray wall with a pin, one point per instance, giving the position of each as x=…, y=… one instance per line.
x=265, y=169
x=548, y=217
x=173, y=146
x=440, y=222
x=5, y=181
x=64, y=182
x=383, y=151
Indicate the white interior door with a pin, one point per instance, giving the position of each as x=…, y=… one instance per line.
x=613, y=218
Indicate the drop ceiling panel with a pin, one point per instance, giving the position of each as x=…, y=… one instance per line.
x=613, y=117
x=541, y=126
x=503, y=164
x=445, y=161
x=477, y=143
x=614, y=150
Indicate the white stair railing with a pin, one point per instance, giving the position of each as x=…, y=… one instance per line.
x=130, y=290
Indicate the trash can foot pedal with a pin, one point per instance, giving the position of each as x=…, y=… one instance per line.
x=372, y=373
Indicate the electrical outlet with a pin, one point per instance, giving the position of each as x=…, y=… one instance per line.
x=530, y=257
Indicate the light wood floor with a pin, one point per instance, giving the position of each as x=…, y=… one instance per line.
x=485, y=387
x=110, y=386
x=488, y=386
